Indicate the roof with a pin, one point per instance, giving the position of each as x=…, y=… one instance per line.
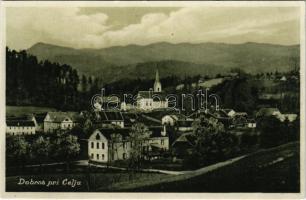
x=61, y=116
x=227, y=110
x=266, y=111
x=40, y=117
x=156, y=96
x=159, y=114
x=185, y=138
x=125, y=132
x=184, y=123
x=108, y=132
x=19, y=118
x=129, y=118
x=241, y=114
x=20, y=123
x=149, y=121
x=109, y=116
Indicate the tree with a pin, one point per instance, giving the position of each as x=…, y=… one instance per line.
x=138, y=135
x=212, y=143
x=17, y=149
x=41, y=149
x=271, y=131
x=66, y=147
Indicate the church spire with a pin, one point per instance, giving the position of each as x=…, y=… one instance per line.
x=157, y=84
x=157, y=76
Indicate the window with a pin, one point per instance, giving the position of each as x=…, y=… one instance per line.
x=98, y=145
x=92, y=156
x=98, y=157
x=92, y=145
x=124, y=145
x=162, y=142
x=102, y=156
x=124, y=156
x=103, y=145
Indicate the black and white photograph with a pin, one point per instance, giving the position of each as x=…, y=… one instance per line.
x=153, y=97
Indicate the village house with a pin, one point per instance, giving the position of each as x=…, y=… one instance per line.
x=172, y=119
x=20, y=127
x=265, y=112
x=109, y=118
x=276, y=113
x=251, y=123
x=106, y=145
x=229, y=112
x=289, y=117
x=60, y=120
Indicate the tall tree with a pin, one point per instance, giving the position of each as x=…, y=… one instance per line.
x=40, y=149
x=138, y=135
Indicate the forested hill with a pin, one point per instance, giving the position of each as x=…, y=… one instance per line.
x=109, y=63
x=29, y=82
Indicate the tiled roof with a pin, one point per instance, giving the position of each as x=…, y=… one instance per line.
x=125, y=132
x=61, y=116
x=109, y=116
x=20, y=123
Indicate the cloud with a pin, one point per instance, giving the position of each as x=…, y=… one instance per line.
x=67, y=27
x=53, y=25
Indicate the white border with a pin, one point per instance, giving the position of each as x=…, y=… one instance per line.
x=77, y=195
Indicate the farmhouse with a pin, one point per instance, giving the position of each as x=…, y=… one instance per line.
x=60, y=120
x=20, y=127
x=107, y=145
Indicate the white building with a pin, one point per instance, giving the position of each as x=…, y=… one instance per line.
x=107, y=145
x=60, y=120
x=20, y=127
x=152, y=99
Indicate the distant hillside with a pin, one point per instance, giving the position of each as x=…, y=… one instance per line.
x=134, y=61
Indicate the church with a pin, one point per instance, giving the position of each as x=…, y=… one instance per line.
x=154, y=98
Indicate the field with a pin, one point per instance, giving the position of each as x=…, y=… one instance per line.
x=268, y=170
x=22, y=110
x=272, y=170
x=97, y=179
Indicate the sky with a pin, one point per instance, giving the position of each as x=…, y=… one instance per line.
x=101, y=27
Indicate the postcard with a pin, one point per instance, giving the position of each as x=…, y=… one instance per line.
x=153, y=99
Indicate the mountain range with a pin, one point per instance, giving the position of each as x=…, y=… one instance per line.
x=136, y=61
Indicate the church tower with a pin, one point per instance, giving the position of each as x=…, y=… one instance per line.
x=157, y=84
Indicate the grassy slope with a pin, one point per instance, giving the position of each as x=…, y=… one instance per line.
x=22, y=110
x=264, y=171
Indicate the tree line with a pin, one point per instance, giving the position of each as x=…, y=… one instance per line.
x=43, y=83
x=42, y=149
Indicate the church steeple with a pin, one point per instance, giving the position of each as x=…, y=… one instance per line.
x=157, y=84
